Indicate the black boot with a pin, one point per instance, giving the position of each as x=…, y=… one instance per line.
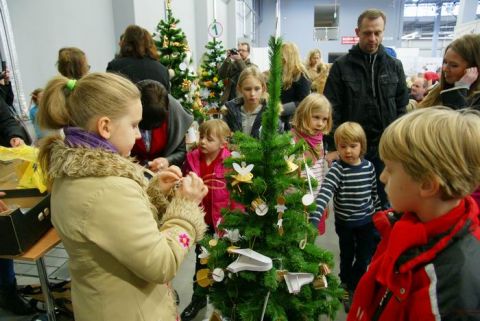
x=10, y=300
x=191, y=311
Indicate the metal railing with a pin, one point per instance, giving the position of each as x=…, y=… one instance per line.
x=325, y=33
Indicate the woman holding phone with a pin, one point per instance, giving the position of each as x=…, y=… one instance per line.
x=459, y=86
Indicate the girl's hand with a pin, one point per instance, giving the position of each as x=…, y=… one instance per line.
x=331, y=157
x=471, y=75
x=158, y=164
x=16, y=141
x=168, y=178
x=192, y=188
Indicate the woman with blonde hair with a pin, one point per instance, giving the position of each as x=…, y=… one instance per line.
x=317, y=71
x=295, y=82
x=314, y=59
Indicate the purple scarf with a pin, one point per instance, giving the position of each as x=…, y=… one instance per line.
x=77, y=137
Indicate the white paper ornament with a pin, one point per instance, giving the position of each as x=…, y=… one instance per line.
x=308, y=199
x=295, y=281
x=233, y=235
x=236, y=154
x=218, y=275
x=204, y=93
x=182, y=66
x=249, y=260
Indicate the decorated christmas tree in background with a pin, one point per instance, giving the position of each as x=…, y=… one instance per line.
x=211, y=86
x=175, y=54
x=266, y=265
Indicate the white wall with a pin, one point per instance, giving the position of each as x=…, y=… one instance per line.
x=42, y=27
x=297, y=23
x=148, y=13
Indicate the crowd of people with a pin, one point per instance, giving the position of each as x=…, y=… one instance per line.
x=398, y=164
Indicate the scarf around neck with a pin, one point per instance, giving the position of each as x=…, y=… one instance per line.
x=77, y=137
x=315, y=143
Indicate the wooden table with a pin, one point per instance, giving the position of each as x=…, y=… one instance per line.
x=35, y=254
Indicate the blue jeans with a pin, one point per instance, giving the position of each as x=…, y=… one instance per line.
x=7, y=274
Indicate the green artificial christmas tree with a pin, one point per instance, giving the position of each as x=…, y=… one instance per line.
x=266, y=265
x=211, y=86
x=175, y=54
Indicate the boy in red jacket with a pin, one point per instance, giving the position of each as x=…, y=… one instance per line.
x=426, y=265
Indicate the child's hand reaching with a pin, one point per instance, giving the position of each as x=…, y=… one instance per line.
x=168, y=178
x=192, y=188
x=331, y=157
x=158, y=164
x=470, y=76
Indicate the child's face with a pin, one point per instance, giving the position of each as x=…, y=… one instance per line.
x=210, y=144
x=319, y=121
x=350, y=152
x=125, y=130
x=252, y=90
x=403, y=192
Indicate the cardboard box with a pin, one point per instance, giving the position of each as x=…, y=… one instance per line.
x=28, y=218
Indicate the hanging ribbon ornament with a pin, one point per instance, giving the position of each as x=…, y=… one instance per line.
x=280, y=207
x=320, y=281
x=206, y=278
x=308, y=198
x=259, y=206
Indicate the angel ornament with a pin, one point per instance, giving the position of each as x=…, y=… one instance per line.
x=243, y=174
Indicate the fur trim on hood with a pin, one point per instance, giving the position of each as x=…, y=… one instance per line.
x=78, y=162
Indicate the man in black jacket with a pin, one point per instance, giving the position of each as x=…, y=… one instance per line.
x=11, y=135
x=367, y=86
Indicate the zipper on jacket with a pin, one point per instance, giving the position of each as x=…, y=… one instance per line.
x=372, y=68
x=381, y=306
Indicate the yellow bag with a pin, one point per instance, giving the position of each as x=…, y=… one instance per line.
x=29, y=172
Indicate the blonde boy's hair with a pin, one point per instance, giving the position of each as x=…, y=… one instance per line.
x=303, y=114
x=255, y=73
x=351, y=132
x=437, y=143
x=215, y=127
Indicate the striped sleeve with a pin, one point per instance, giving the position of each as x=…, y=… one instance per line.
x=328, y=189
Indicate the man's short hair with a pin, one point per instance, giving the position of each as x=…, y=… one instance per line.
x=245, y=44
x=371, y=14
x=437, y=143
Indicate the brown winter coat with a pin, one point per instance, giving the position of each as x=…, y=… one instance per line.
x=122, y=255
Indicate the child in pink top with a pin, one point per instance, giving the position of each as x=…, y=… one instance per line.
x=312, y=120
x=207, y=162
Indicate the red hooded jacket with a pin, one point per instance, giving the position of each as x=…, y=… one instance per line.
x=423, y=271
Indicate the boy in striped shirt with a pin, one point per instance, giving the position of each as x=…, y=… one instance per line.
x=352, y=184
